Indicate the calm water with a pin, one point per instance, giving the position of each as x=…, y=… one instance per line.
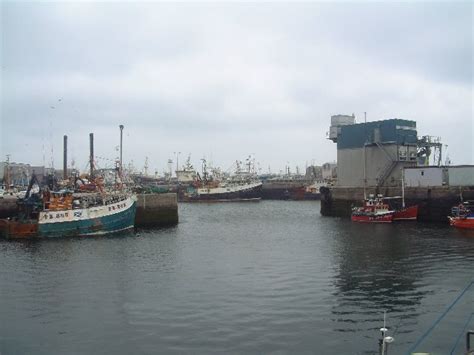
x=268, y=277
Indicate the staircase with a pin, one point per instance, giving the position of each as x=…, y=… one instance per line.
x=387, y=170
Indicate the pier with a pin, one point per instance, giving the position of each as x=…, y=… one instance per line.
x=156, y=210
x=434, y=203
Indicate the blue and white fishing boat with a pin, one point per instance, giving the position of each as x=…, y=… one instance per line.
x=109, y=216
x=65, y=214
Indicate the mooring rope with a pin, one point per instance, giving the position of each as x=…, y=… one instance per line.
x=461, y=334
x=423, y=337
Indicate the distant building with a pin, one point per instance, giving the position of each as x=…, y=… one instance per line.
x=329, y=171
x=16, y=174
x=374, y=153
x=314, y=172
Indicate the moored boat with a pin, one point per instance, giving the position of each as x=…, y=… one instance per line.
x=65, y=213
x=222, y=192
x=374, y=210
x=462, y=216
x=243, y=185
x=406, y=213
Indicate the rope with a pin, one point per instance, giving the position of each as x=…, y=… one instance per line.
x=398, y=326
x=461, y=334
x=423, y=337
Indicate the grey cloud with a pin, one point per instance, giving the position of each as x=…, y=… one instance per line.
x=230, y=78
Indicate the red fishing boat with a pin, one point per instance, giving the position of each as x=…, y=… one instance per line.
x=462, y=216
x=374, y=210
x=406, y=214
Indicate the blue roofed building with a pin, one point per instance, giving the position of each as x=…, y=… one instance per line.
x=373, y=153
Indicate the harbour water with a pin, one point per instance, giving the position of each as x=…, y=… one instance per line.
x=267, y=277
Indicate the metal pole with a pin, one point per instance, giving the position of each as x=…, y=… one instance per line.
x=65, y=159
x=468, y=341
x=365, y=158
x=91, y=157
x=177, y=159
x=121, y=141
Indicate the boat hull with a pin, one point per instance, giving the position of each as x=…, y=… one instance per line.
x=368, y=218
x=18, y=229
x=406, y=214
x=98, y=220
x=462, y=222
x=251, y=192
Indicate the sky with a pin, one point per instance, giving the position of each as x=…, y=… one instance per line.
x=223, y=81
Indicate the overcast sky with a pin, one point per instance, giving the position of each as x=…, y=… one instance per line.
x=223, y=81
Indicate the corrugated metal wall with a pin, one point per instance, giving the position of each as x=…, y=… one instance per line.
x=394, y=130
x=461, y=176
x=425, y=177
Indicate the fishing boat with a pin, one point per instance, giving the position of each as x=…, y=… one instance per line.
x=405, y=213
x=227, y=191
x=373, y=210
x=284, y=188
x=462, y=215
x=65, y=213
x=243, y=185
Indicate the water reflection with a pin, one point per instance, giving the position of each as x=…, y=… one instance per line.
x=256, y=278
x=394, y=268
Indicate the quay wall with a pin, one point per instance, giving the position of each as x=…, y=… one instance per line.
x=434, y=203
x=156, y=210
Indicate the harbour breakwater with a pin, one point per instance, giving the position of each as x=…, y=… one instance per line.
x=156, y=210
x=434, y=203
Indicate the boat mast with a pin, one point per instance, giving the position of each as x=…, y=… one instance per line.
x=121, y=142
x=403, y=188
x=6, y=174
x=365, y=159
x=91, y=155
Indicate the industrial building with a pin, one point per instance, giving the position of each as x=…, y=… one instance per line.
x=436, y=176
x=375, y=153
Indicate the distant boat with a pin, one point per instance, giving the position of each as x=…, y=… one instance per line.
x=242, y=186
x=374, y=210
x=222, y=192
x=462, y=215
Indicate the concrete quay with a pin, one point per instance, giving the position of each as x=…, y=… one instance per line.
x=156, y=210
x=434, y=203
